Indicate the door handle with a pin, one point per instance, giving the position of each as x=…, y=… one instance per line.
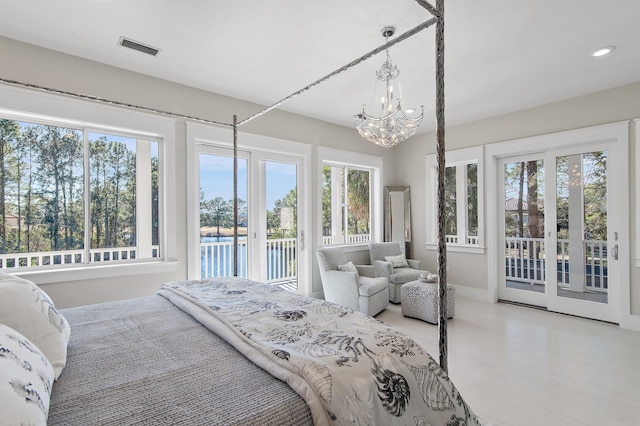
x=614, y=252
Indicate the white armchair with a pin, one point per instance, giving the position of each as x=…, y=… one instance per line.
x=357, y=288
x=398, y=273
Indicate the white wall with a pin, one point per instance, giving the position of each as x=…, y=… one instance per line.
x=470, y=270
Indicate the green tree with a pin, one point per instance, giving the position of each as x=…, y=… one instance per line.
x=9, y=132
x=155, y=201
x=472, y=198
x=216, y=212
x=99, y=192
x=595, y=195
x=289, y=201
x=450, y=201
x=60, y=155
x=358, y=201
x=535, y=222
x=326, y=200
x=30, y=138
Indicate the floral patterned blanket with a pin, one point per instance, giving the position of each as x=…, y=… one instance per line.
x=349, y=367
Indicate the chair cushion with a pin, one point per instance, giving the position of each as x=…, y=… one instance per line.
x=403, y=275
x=398, y=261
x=377, y=251
x=370, y=286
x=348, y=267
x=332, y=257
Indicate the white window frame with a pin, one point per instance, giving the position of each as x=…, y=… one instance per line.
x=354, y=160
x=460, y=157
x=31, y=105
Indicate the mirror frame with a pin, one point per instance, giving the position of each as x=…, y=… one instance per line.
x=388, y=190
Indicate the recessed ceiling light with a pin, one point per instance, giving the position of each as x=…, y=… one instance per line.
x=602, y=51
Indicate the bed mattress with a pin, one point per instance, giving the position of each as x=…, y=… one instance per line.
x=144, y=361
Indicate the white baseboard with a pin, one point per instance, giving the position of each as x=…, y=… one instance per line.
x=630, y=322
x=478, y=294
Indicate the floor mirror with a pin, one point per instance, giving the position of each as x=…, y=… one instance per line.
x=397, y=216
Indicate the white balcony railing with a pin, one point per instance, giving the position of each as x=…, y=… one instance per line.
x=216, y=259
x=526, y=262
x=23, y=261
x=351, y=239
x=453, y=239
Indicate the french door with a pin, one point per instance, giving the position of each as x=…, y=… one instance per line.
x=557, y=221
x=215, y=219
x=269, y=238
x=278, y=238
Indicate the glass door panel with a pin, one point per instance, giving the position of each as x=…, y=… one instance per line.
x=216, y=216
x=522, y=217
x=582, y=232
x=281, y=230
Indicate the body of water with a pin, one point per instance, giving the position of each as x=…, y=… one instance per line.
x=217, y=260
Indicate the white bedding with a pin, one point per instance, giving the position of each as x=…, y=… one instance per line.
x=350, y=368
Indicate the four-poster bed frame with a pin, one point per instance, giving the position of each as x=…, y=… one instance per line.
x=437, y=13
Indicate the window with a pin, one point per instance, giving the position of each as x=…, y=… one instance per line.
x=346, y=207
x=350, y=194
x=76, y=195
x=463, y=200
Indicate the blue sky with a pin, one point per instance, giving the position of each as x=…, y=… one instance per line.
x=216, y=178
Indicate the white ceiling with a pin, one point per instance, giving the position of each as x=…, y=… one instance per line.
x=501, y=55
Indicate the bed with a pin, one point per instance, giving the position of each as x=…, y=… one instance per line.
x=145, y=361
x=231, y=351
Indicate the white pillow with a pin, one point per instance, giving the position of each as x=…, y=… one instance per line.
x=29, y=310
x=348, y=267
x=398, y=261
x=428, y=277
x=26, y=378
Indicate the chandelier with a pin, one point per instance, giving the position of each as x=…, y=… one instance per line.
x=394, y=123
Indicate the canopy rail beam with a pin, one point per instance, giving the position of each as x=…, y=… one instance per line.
x=433, y=10
x=111, y=102
x=340, y=70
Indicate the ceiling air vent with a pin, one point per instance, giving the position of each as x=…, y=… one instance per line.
x=131, y=44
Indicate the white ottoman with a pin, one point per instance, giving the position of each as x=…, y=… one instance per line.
x=420, y=300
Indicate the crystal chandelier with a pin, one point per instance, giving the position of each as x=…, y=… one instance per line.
x=394, y=124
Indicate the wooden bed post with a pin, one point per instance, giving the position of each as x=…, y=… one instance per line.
x=235, y=195
x=442, y=247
